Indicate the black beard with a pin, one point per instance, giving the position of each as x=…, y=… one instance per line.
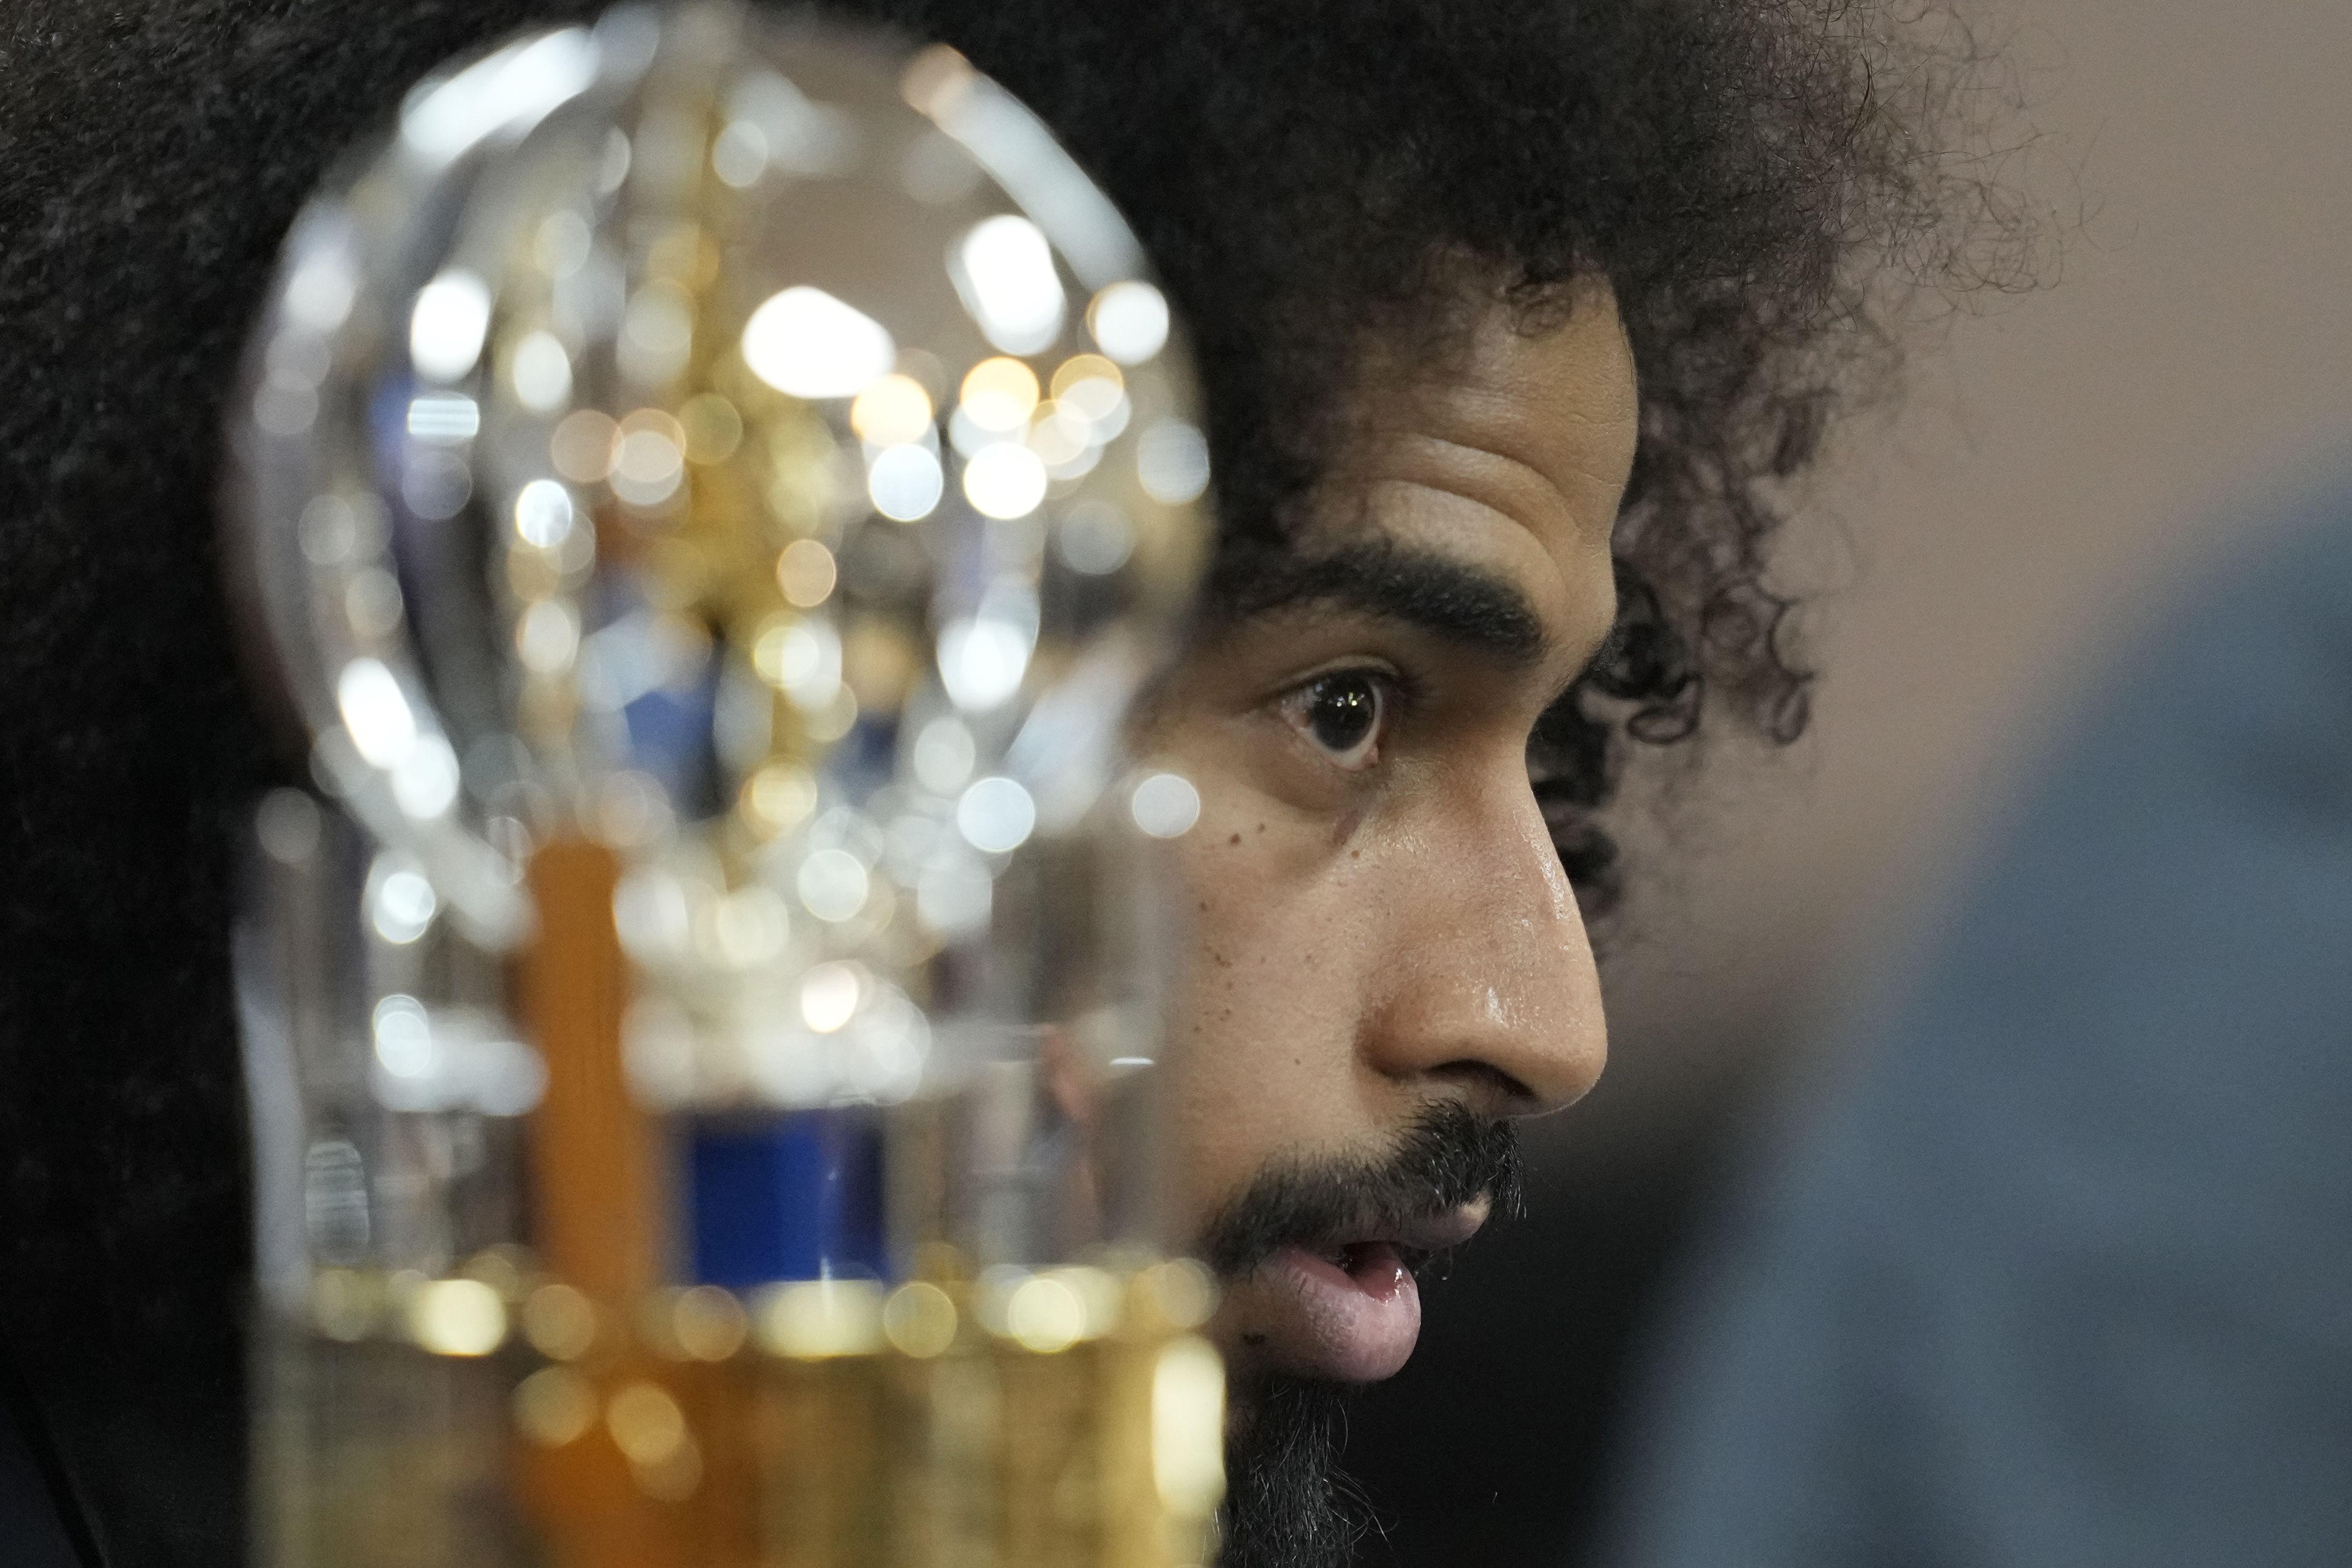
x=1288, y=1503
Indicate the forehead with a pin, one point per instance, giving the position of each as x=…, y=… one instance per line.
x=1502, y=448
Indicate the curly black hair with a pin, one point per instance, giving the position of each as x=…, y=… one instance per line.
x=1738, y=170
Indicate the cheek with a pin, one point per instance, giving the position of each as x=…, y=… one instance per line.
x=1268, y=1009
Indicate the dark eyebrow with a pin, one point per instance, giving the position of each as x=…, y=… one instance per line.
x=1432, y=593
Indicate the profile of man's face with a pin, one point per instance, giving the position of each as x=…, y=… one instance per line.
x=1388, y=962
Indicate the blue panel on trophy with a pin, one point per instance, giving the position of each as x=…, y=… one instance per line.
x=790, y=1196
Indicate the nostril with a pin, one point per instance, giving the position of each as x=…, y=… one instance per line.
x=1488, y=1081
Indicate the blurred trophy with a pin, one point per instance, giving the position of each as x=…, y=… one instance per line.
x=709, y=490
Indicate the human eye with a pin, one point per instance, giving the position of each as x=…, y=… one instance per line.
x=1342, y=714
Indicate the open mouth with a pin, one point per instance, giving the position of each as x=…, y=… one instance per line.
x=1366, y=1261
x=1319, y=1257
x=1348, y=1310
x=1367, y=1256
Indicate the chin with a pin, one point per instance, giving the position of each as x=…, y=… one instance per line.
x=1288, y=1504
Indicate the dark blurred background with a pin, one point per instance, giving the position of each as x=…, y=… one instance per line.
x=2055, y=471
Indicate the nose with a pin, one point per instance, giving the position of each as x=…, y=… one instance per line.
x=1490, y=990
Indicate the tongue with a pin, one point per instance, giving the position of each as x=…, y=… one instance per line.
x=1356, y=1324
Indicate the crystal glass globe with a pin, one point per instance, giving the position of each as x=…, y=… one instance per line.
x=709, y=490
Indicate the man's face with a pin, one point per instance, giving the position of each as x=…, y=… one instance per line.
x=1388, y=958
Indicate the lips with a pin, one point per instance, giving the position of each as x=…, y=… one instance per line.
x=1348, y=1310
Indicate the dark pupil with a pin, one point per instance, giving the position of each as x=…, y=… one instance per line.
x=1341, y=710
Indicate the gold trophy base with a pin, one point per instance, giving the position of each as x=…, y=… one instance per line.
x=1064, y=1418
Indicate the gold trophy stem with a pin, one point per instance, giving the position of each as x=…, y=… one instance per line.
x=595, y=1164
x=592, y=1149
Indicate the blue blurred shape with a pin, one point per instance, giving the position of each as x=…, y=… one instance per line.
x=670, y=738
x=796, y=1195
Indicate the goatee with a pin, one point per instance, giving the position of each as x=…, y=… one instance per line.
x=1288, y=1502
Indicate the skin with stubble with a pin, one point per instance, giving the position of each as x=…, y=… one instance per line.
x=1389, y=962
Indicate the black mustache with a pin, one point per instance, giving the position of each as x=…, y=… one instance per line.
x=1449, y=1157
